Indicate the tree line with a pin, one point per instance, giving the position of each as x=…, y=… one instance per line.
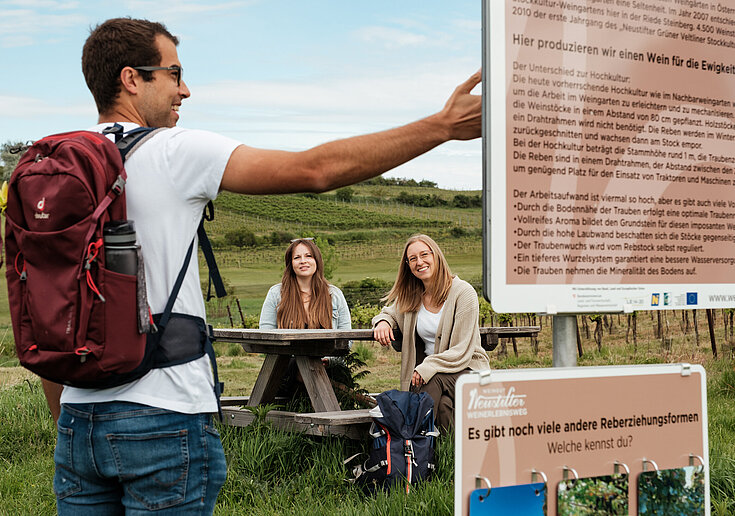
x=397, y=181
x=347, y=193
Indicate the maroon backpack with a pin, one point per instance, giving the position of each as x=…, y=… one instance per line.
x=76, y=322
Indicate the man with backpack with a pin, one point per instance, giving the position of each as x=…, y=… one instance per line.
x=149, y=445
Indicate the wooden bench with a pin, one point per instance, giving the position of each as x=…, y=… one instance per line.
x=349, y=423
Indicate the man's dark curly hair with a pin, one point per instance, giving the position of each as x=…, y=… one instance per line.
x=113, y=45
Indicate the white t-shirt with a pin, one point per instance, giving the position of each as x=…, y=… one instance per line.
x=170, y=180
x=426, y=326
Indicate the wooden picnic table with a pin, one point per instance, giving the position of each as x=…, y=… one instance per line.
x=490, y=335
x=308, y=347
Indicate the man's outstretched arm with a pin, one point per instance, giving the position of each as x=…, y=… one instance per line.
x=351, y=160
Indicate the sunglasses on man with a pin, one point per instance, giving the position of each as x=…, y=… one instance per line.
x=175, y=68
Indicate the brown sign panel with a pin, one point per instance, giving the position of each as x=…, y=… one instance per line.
x=583, y=419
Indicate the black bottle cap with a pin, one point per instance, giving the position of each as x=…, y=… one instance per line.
x=119, y=232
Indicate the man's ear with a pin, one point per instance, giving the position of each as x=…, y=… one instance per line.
x=130, y=80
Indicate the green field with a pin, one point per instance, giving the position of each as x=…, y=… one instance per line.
x=368, y=235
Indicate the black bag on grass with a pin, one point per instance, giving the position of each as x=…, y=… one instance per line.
x=403, y=442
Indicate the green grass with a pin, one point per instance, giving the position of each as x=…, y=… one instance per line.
x=310, y=479
x=273, y=472
x=27, y=440
x=269, y=471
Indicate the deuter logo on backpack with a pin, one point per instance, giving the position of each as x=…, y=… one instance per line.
x=40, y=214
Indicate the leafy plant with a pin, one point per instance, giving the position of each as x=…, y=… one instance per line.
x=10, y=154
x=398, y=181
x=344, y=194
x=467, y=201
x=240, y=238
x=260, y=412
x=281, y=237
x=669, y=491
x=594, y=496
x=363, y=351
x=458, y=232
x=329, y=255
x=362, y=315
x=426, y=201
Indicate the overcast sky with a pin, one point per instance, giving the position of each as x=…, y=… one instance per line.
x=270, y=73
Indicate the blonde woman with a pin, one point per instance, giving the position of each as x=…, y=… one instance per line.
x=437, y=314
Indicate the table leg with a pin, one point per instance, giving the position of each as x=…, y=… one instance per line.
x=489, y=341
x=317, y=384
x=269, y=379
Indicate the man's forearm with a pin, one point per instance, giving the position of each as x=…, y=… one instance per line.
x=53, y=396
x=330, y=165
x=345, y=162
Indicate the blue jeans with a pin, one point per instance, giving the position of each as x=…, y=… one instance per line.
x=125, y=458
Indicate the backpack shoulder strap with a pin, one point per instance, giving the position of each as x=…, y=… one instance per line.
x=127, y=144
x=214, y=276
x=132, y=141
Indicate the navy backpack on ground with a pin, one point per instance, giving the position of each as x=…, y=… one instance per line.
x=403, y=441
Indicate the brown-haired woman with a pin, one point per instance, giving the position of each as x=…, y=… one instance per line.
x=304, y=299
x=438, y=315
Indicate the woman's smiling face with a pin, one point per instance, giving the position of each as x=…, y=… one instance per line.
x=420, y=260
x=303, y=261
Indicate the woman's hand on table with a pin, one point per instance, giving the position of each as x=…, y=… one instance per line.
x=383, y=333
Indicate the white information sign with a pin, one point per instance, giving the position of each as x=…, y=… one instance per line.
x=609, y=155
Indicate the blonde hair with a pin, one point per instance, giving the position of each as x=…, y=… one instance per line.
x=291, y=313
x=408, y=290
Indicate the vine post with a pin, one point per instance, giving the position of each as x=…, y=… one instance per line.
x=564, y=339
